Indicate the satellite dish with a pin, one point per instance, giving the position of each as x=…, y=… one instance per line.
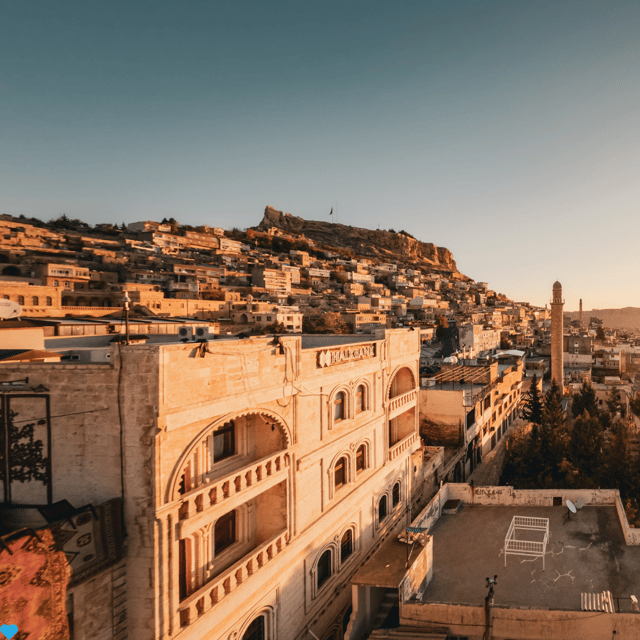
x=9, y=309
x=572, y=507
x=579, y=503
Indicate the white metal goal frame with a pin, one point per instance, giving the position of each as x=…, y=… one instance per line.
x=531, y=548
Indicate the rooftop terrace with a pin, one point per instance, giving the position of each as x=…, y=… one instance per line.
x=584, y=554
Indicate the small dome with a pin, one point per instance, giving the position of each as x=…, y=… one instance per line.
x=557, y=285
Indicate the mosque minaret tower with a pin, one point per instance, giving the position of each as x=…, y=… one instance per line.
x=557, y=306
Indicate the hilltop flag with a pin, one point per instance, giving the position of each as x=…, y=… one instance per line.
x=331, y=212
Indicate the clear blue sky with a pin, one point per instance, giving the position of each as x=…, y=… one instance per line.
x=507, y=131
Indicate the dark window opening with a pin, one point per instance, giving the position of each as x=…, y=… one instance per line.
x=361, y=462
x=255, y=631
x=225, y=532
x=346, y=545
x=324, y=567
x=382, y=509
x=224, y=444
x=395, y=494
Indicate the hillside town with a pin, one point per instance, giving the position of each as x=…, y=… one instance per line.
x=285, y=431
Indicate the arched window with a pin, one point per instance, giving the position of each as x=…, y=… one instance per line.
x=225, y=532
x=21, y=300
x=255, y=631
x=346, y=545
x=340, y=473
x=360, y=399
x=324, y=568
x=338, y=407
x=361, y=458
x=35, y=301
x=345, y=619
x=49, y=302
x=395, y=495
x=382, y=508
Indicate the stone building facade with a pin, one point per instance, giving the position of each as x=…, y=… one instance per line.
x=257, y=476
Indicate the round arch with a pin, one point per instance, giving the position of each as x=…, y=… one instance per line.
x=268, y=612
x=171, y=492
x=346, y=408
x=402, y=380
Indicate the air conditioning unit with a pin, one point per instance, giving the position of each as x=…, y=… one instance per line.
x=201, y=333
x=194, y=333
x=185, y=333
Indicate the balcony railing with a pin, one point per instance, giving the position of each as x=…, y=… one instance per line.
x=221, y=586
x=248, y=478
x=399, y=404
x=402, y=446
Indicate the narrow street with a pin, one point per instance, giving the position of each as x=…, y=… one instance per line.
x=488, y=473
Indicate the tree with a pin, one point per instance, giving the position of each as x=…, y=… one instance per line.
x=532, y=404
x=552, y=438
x=585, y=449
x=614, y=403
x=617, y=470
x=275, y=327
x=585, y=400
x=600, y=334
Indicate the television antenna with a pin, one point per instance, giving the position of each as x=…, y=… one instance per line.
x=9, y=310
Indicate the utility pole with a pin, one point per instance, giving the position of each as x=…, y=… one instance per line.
x=126, y=301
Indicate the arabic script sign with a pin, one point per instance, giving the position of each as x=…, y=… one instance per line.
x=346, y=354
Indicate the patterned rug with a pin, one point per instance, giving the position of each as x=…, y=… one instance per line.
x=94, y=543
x=33, y=586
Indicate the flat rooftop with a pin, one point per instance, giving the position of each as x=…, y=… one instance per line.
x=586, y=554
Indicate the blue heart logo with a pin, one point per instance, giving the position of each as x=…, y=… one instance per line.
x=9, y=630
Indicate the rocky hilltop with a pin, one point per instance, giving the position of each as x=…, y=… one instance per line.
x=383, y=245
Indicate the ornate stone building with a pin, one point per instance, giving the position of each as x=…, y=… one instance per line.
x=257, y=475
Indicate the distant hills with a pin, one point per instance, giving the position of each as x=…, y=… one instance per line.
x=625, y=318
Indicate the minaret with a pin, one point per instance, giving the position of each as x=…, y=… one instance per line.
x=581, y=313
x=557, y=305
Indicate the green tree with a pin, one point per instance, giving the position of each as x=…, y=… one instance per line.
x=532, y=404
x=585, y=450
x=614, y=403
x=585, y=400
x=617, y=468
x=552, y=438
